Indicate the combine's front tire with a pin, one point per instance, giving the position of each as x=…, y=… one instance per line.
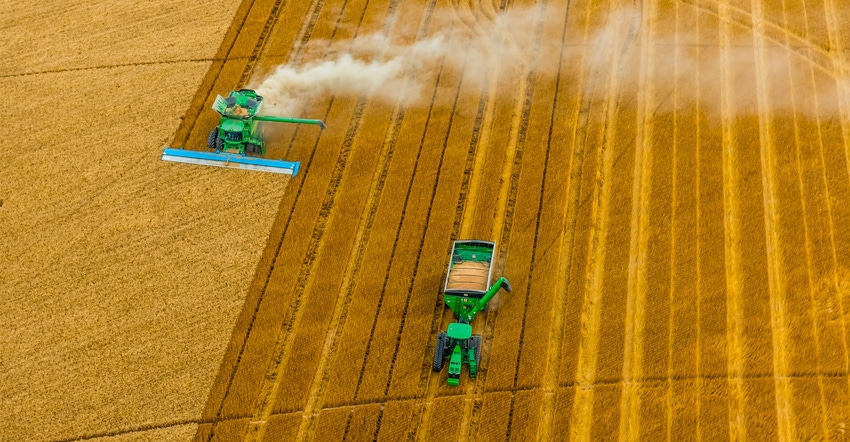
x=439, y=352
x=211, y=139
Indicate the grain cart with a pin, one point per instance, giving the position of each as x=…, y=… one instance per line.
x=466, y=292
x=237, y=137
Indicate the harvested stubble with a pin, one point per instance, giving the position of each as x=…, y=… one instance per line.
x=372, y=286
x=396, y=420
x=668, y=281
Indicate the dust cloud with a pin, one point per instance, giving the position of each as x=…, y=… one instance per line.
x=723, y=66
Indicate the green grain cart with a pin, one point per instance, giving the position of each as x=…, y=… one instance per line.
x=467, y=291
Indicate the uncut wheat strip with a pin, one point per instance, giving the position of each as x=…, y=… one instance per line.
x=432, y=387
x=776, y=270
x=598, y=270
x=805, y=218
x=297, y=237
x=500, y=142
x=837, y=45
x=294, y=345
x=412, y=233
x=524, y=127
x=419, y=330
x=373, y=204
x=531, y=206
x=514, y=129
x=732, y=231
x=825, y=188
x=636, y=293
x=571, y=163
x=370, y=287
x=412, y=364
x=377, y=119
x=350, y=184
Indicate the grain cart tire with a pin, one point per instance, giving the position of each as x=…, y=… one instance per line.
x=476, y=345
x=439, y=351
x=211, y=139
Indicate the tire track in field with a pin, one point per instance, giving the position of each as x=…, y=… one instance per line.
x=581, y=419
x=776, y=271
x=424, y=25
x=118, y=66
x=738, y=16
x=806, y=227
x=315, y=250
x=732, y=240
x=630, y=400
x=256, y=307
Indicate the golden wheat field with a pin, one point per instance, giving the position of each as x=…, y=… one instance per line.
x=667, y=182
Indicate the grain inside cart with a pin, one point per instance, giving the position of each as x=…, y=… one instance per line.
x=467, y=291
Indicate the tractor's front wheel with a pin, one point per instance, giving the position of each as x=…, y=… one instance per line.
x=211, y=139
x=252, y=148
x=219, y=144
x=439, y=352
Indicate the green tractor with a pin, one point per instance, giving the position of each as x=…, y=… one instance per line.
x=467, y=291
x=238, y=140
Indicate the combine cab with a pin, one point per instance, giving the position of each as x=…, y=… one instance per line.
x=467, y=291
x=238, y=137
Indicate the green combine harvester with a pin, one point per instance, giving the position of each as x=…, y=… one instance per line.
x=238, y=137
x=467, y=291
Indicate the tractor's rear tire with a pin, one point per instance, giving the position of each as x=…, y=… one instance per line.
x=476, y=345
x=439, y=352
x=212, y=138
